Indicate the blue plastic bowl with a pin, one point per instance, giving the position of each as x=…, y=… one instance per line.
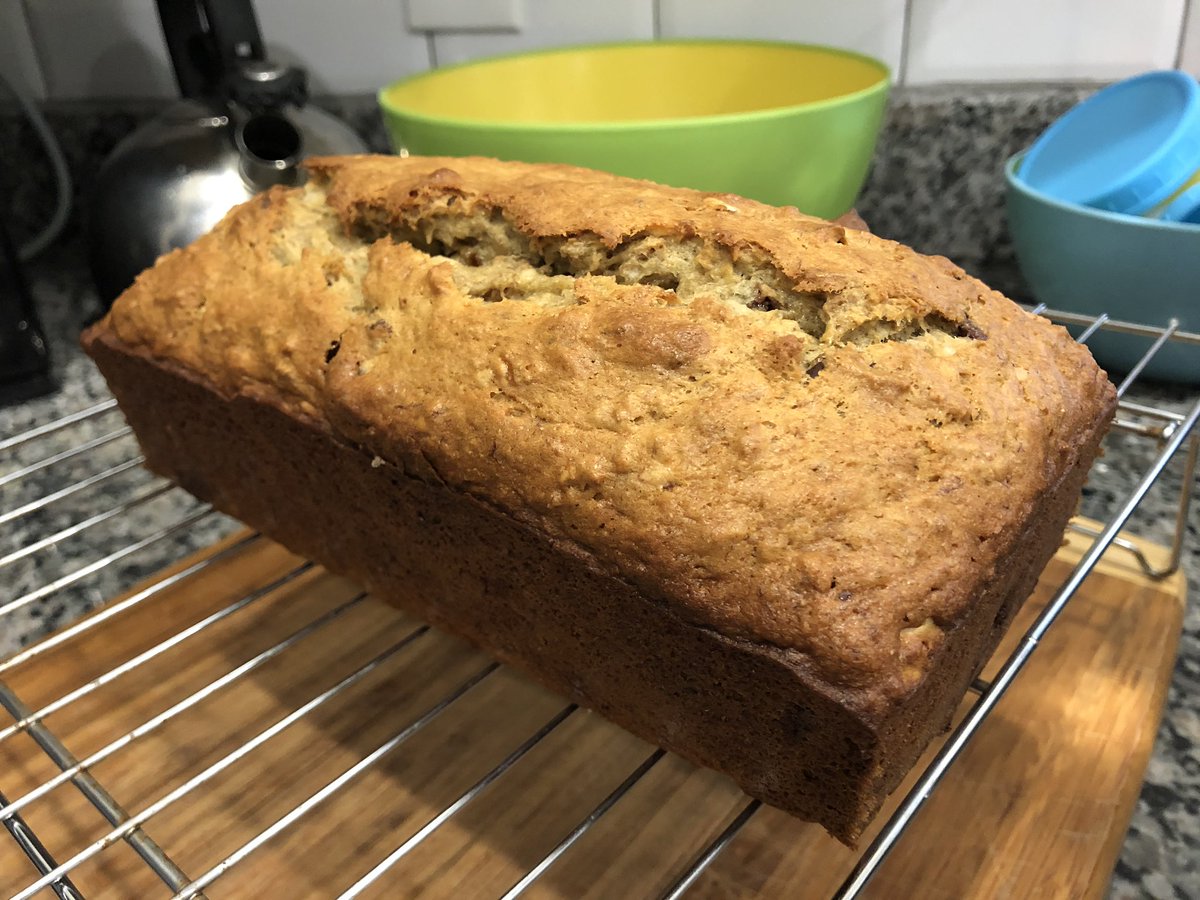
x=1126, y=148
x=1084, y=260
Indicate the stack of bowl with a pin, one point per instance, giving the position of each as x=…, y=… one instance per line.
x=1104, y=211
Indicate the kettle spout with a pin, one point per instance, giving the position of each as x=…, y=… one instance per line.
x=270, y=147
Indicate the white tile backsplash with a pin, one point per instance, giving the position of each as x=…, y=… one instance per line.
x=554, y=23
x=100, y=48
x=873, y=27
x=466, y=15
x=1040, y=40
x=67, y=49
x=348, y=46
x=1189, y=58
x=18, y=56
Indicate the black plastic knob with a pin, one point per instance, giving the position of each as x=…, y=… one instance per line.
x=260, y=85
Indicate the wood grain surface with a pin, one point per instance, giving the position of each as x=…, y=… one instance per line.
x=1036, y=807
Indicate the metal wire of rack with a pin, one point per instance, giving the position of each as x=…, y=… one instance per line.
x=1168, y=430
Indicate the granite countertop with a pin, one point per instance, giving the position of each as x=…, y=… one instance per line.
x=1162, y=850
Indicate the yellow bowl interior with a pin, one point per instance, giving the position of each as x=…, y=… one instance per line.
x=636, y=82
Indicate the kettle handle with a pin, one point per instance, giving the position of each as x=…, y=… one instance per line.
x=207, y=39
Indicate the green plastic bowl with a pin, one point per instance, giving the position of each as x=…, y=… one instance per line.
x=1085, y=260
x=786, y=124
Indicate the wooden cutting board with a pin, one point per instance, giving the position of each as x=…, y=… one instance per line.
x=1036, y=807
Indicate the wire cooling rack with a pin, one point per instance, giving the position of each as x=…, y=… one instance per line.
x=83, y=507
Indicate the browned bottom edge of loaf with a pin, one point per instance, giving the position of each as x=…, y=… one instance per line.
x=748, y=710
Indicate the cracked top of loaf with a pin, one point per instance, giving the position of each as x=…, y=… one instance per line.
x=787, y=431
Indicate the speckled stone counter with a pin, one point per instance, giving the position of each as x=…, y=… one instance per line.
x=935, y=184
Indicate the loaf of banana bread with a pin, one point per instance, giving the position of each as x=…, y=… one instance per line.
x=761, y=488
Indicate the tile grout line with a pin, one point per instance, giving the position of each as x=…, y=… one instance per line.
x=905, y=43
x=1184, y=21
x=656, y=19
x=431, y=49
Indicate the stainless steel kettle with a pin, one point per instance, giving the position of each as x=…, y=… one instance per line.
x=243, y=125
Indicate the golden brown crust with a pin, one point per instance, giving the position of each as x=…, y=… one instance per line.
x=842, y=489
x=752, y=711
